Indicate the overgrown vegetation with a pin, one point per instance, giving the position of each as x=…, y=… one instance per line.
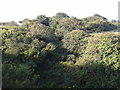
x=60, y=52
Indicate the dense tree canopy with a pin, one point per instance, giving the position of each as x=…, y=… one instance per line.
x=60, y=52
x=74, y=41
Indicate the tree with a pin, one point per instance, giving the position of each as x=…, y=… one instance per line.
x=12, y=23
x=103, y=48
x=61, y=15
x=42, y=32
x=43, y=19
x=18, y=76
x=67, y=25
x=74, y=41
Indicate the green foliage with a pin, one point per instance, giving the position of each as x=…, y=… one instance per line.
x=98, y=26
x=74, y=41
x=53, y=24
x=15, y=76
x=103, y=48
x=97, y=23
x=42, y=32
x=62, y=15
x=35, y=48
x=58, y=52
x=43, y=19
x=25, y=23
x=54, y=21
x=67, y=25
x=48, y=51
x=12, y=23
